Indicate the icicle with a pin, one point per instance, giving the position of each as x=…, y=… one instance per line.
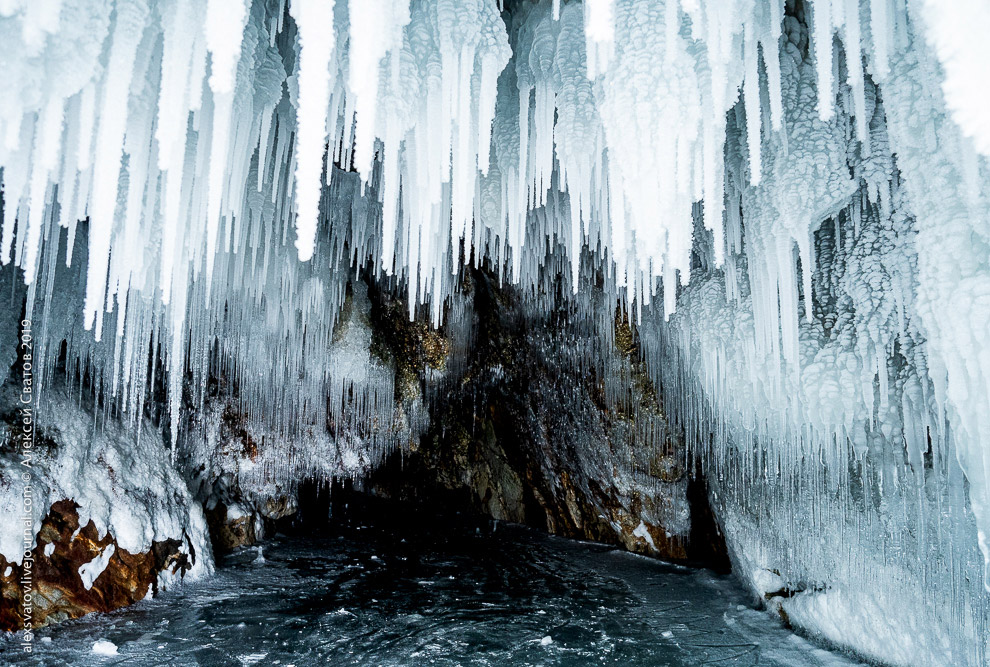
x=600, y=31
x=314, y=19
x=131, y=17
x=880, y=33
x=751, y=93
x=822, y=40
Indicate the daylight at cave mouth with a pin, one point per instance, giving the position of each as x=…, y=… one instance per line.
x=495, y=332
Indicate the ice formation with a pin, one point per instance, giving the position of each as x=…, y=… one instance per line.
x=791, y=199
x=121, y=482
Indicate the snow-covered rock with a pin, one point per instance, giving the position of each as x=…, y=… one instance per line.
x=110, y=515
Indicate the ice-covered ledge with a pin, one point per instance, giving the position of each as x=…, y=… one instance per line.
x=112, y=521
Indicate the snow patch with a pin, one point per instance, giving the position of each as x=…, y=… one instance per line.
x=89, y=572
x=643, y=532
x=104, y=647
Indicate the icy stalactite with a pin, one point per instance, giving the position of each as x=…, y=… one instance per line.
x=599, y=28
x=316, y=80
x=417, y=80
x=153, y=147
x=948, y=188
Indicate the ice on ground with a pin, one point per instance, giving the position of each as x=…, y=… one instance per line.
x=104, y=647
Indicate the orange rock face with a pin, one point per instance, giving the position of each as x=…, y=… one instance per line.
x=228, y=534
x=59, y=592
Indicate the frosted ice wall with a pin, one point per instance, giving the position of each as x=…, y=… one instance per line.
x=185, y=169
x=835, y=443
x=838, y=484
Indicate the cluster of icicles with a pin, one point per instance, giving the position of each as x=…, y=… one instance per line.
x=201, y=146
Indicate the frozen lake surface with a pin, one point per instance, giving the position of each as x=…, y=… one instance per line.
x=432, y=594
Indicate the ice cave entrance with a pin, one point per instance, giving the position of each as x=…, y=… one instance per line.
x=494, y=332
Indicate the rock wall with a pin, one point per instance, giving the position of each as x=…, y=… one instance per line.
x=545, y=417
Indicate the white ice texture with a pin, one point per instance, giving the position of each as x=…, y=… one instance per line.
x=212, y=179
x=120, y=481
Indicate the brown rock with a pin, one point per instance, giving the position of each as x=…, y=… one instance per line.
x=58, y=590
x=229, y=534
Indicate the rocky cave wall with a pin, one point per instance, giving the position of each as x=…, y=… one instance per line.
x=520, y=412
x=550, y=420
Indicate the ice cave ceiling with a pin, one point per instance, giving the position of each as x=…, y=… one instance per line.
x=789, y=199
